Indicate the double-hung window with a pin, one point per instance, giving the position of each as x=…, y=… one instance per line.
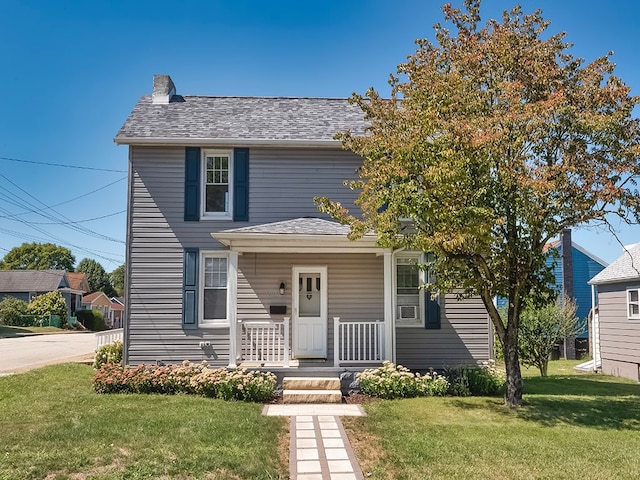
x=409, y=297
x=214, y=290
x=217, y=185
x=633, y=303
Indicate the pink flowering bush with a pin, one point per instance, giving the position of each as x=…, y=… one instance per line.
x=395, y=381
x=235, y=384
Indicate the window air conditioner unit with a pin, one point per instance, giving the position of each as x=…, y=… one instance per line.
x=407, y=312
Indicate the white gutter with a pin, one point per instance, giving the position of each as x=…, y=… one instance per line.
x=204, y=142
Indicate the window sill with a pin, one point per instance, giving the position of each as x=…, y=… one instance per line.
x=211, y=326
x=409, y=325
x=226, y=217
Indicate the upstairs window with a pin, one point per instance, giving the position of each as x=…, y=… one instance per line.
x=633, y=303
x=218, y=181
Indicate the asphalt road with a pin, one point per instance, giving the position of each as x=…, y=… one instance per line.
x=20, y=354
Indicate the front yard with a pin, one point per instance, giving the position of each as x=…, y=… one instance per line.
x=572, y=427
x=53, y=426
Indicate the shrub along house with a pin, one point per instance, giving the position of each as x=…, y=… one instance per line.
x=229, y=261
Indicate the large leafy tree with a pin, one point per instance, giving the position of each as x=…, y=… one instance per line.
x=117, y=279
x=495, y=138
x=97, y=277
x=38, y=256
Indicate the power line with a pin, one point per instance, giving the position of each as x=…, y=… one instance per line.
x=61, y=203
x=62, y=165
x=78, y=221
x=77, y=228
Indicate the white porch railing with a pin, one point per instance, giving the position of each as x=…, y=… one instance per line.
x=265, y=342
x=357, y=342
x=108, y=336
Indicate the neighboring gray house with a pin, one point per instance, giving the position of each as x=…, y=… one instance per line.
x=618, y=316
x=28, y=284
x=229, y=261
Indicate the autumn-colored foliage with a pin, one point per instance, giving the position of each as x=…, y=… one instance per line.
x=494, y=139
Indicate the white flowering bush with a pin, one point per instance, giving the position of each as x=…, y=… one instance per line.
x=395, y=381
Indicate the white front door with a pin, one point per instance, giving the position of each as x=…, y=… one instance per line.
x=309, y=300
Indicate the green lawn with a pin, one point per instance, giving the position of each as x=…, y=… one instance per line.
x=52, y=425
x=6, y=331
x=572, y=426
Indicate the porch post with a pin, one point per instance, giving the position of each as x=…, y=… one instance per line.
x=287, y=341
x=389, y=337
x=336, y=341
x=233, y=308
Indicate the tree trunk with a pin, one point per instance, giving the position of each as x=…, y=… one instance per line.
x=513, y=395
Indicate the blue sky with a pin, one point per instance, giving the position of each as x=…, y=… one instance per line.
x=73, y=70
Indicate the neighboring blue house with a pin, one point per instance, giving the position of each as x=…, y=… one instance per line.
x=572, y=273
x=580, y=266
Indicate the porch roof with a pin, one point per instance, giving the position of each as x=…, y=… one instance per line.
x=299, y=235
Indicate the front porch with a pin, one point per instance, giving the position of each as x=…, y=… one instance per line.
x=267, y=344
x=303, y=296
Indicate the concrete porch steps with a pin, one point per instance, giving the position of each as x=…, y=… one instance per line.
x=311, y=390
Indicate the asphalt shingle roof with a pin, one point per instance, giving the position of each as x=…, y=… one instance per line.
x=297, y=226
x=32, y=280
x=267, y=119
x=626, y=267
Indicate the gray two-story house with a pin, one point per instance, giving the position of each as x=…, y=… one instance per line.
x=229, y=261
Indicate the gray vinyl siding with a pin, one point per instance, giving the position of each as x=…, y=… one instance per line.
x=282, y=186
x=283, y=183
x=463, y=337
x=619, y=336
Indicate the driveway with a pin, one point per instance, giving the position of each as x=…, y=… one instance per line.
x=24, y=353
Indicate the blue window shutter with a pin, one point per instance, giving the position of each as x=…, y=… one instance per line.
x=432, y=312
x=192, y=169
x=240, y=184
x=190, y=285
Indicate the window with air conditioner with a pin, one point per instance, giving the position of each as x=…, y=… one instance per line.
x=408, y=294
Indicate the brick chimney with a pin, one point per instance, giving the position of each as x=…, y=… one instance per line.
x=163, y=89
x=567, y=285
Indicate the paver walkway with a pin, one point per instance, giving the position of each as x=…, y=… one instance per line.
x=320, y=449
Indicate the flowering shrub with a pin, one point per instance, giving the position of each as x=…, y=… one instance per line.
x=395, y=381
x=111, y=353
x=481, y=380
x=237, y=384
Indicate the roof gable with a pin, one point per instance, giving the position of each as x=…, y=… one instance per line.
x=32, y=280
x=78, y=281
x=96, y=298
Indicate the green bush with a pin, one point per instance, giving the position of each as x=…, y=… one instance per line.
x=478, y=380
x=111, y=353
x=50, y=303
x=11, y=309
x=234, y=384
x=92, y=320
x=395, y=381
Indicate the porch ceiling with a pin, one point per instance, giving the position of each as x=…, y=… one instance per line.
x=300, y=235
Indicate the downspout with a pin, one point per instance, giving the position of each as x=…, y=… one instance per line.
x=595, y=318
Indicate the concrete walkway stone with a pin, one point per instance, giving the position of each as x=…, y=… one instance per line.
x=319, y=447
